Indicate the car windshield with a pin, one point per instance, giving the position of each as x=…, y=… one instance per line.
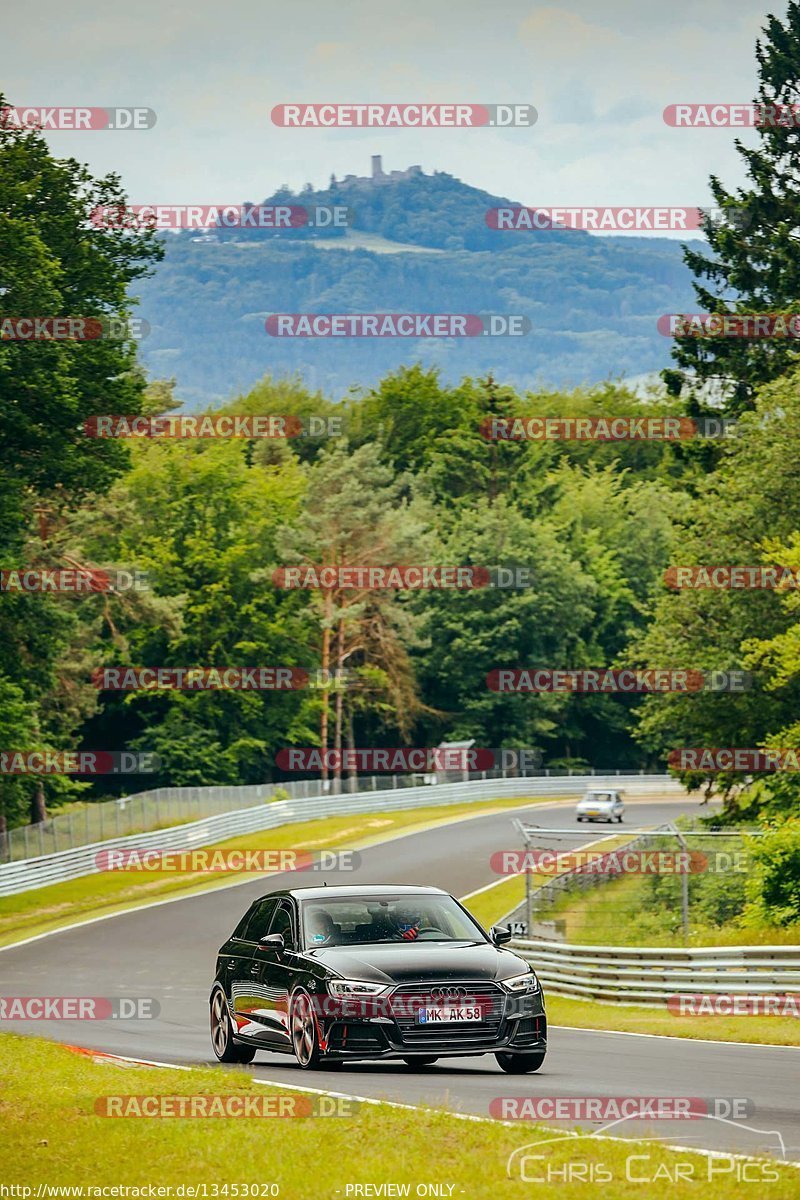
x=362, y=921
x=598, y=799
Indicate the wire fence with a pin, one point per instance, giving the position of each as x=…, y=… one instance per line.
x=640, y=886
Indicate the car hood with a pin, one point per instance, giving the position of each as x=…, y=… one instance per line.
x=418, y=962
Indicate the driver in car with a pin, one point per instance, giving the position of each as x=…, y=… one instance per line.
x=407, y=924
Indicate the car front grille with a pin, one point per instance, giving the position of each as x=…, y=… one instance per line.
x=408, y=998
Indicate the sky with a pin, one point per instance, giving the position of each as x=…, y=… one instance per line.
x=599, y=74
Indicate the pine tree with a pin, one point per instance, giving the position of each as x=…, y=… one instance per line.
x=753, y=262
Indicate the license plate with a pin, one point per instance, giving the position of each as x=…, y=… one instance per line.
x=446, y=1016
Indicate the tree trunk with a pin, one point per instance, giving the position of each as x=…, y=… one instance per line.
x=38, y=807
x=352, y=773
x=337, y=736
x=326, y=665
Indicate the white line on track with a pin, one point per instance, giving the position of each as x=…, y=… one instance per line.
x=671, y=1037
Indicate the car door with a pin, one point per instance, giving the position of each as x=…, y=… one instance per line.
x=247, y=1000
x=276, y=971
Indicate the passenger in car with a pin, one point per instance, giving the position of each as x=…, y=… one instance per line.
x=323, y=930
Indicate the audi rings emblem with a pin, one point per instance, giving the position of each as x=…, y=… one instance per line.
x=453, y=995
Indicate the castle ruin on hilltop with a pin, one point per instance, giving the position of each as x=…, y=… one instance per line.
x=378, y=174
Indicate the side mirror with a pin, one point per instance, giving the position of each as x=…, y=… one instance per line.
x=272, y=941
x=500, y=934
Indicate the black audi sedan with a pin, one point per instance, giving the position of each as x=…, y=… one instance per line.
x=331, y=974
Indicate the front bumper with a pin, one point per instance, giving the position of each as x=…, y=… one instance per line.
x=511, y=1022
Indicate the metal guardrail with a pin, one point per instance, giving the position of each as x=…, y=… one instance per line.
x=82, y=860
x=650, y=975
x=160, y=808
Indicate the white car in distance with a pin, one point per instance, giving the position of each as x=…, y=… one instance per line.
x=600, y=806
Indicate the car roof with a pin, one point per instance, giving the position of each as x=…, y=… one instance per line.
x=355, y=891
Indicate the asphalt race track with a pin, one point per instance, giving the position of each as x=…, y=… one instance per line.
x=168, y=952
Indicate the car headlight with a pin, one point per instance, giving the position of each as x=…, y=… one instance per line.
x=354, y=987
x=521, y=983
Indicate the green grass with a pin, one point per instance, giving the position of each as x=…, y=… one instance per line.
x=491, y=905
x=53, y=1136
x=590, y=1014
x=48, y=908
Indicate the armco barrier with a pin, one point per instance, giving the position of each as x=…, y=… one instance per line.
x=70, y=864
x=649, y=975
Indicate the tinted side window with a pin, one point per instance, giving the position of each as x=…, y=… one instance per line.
x=282, y=923
x=240, y=928
x=258, y=924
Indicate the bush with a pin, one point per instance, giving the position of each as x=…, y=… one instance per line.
x=773, y=887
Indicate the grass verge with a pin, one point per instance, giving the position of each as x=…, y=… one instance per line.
x=55, y=1137
x=589, y=1014
x=48, y=908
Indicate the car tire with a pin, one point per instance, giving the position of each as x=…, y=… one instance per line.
x=304, y=1033
x=421, y=1061
x=520, y=1064
x=223, y=1045
x=619, y=819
